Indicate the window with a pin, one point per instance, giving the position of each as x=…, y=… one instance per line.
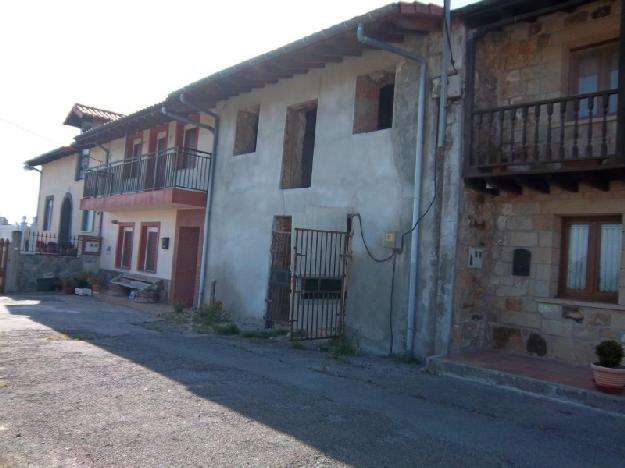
x=299, y=145
x=134, y=148
x=189, y=150
x=246, y=132
x=591, y=258
x=82, y=165
x=125, y=237
x=47, y=213
x=594, y=69
x=373, y=107
x=86, y=224
x=148, y=250
x=321, y=288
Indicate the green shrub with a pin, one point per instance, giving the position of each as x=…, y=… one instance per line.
x=209, y=314
x=343, y=346
x=226, y=329
x=178, y=308
x=610, y=353
x=298, y=345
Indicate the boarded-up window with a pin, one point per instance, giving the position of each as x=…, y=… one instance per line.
x=246, y=132
x=373, y=107
x=299, y=145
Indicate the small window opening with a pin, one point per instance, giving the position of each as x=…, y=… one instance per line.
x=373, y=107
x=246, y=135
x=321, y=288
x=299, y=145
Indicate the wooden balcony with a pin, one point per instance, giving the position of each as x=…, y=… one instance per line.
x=562, y=142
x=174, y=177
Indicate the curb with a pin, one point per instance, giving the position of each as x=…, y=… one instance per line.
x=441, y=366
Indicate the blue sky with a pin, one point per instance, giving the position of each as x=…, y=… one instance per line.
x=122, y=56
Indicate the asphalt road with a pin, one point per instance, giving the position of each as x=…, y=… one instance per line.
x=111, y=392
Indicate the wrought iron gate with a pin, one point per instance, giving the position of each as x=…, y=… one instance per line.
x=321, y=262
x=4, y=257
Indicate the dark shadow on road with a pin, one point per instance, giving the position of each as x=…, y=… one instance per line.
x=429, y=421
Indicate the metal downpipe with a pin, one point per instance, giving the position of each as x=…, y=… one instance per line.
x=209, y=202
x=414, y=238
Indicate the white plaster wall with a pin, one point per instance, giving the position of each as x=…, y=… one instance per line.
x=167, y=218
x=351, y=173
x=58, y=179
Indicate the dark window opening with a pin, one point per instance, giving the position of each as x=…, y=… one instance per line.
x=189, y=152
x=47, y=213
x=246, y=135
x=82, y=164
x=299, y=146
x=373, y=106
x=385, y=106
x=321, y=288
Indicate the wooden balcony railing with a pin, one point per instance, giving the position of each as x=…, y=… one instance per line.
x=543, y=136
x=173, y=168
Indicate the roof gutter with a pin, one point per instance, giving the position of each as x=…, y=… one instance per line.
x=419, y=157
x=209, y=203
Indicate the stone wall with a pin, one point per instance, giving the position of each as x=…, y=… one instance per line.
x=27, y=269
x=529, y=61
x=523, y=314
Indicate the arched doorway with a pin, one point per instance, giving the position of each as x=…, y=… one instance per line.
x=65, y=223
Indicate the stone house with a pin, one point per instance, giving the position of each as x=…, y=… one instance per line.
x=541, y=268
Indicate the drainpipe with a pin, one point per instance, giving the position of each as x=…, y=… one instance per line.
x=209, y=205
x=414, y=237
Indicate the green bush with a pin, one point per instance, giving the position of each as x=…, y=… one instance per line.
x=178, y=308
x=208, y=314
x=610, y=353
x=226, y=329
x=342, y=346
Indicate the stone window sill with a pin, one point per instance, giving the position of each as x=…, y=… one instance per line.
x=578, y=303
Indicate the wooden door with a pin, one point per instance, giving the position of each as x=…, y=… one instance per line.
x=185, y=268
x=279, y=288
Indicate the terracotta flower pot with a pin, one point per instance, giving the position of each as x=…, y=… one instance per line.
x=609, y=380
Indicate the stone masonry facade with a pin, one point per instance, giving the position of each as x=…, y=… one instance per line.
x=523, y=314
x=493, y=308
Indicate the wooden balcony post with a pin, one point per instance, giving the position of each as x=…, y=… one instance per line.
x=620, y=129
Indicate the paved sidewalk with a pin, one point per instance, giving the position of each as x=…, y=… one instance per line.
x=84, y=383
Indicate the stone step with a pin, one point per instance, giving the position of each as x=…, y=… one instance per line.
x=552, y=390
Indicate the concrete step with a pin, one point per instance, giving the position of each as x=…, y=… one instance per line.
x=552, y=390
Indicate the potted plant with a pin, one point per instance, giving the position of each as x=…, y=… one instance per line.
x=608, y=374
x=96, y=284
x=68, y=285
